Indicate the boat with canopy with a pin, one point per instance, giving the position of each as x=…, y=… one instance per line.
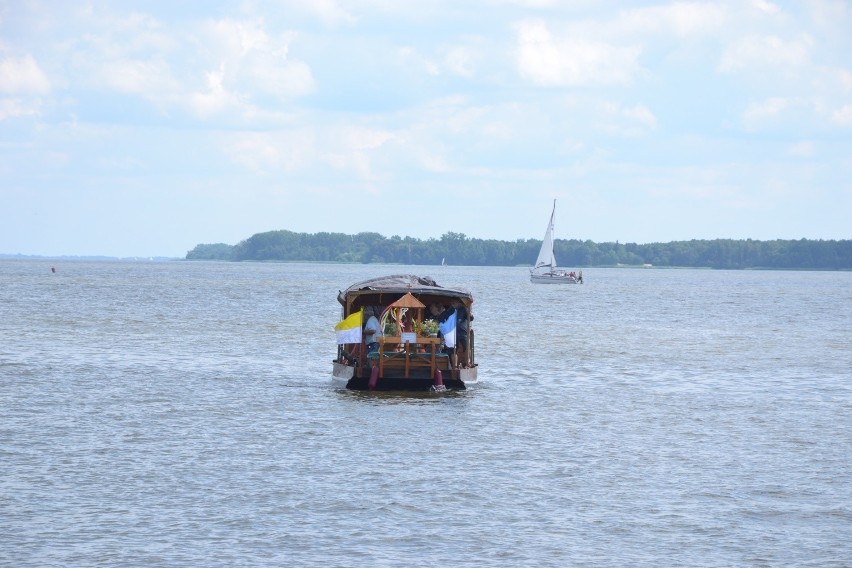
x=408, y=352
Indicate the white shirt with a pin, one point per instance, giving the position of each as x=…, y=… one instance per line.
x=372, y=324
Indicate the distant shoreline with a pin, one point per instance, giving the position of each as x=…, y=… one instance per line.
x=88, y=257
x=456, y=249
x=597, y=267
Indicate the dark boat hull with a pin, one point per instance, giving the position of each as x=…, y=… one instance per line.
x=344, y=376
x=401, y=384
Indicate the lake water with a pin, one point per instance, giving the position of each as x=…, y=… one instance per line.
x=175, y=413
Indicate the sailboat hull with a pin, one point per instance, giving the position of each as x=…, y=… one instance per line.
x=553, y=278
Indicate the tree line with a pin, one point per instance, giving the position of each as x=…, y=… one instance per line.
x=461, y=250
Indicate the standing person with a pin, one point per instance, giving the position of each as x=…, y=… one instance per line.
x=463, y=320
x=371, y=330
x=449, y=345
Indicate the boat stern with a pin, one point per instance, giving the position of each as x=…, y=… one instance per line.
x=341, y=374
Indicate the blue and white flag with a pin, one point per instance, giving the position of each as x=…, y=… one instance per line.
x=448, y=330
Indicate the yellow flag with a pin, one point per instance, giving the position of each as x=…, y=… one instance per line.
x=349, y=330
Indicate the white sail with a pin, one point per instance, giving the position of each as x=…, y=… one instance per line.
x=546, y=258
x=545, y=271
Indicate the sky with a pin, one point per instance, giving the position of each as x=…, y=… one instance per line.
x=143, y=128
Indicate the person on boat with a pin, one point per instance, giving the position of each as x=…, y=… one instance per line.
x=436, y=311
x=462, y=322
x=437, y=314
x=372, y=330
x=441, y=314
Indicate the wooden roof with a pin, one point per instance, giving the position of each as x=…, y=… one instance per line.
x=408, y=301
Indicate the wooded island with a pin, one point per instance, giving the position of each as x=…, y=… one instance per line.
x=460, y=250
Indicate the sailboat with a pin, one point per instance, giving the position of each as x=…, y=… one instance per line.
x=545, y=270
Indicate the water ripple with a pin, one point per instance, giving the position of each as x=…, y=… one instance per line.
x=165, y=414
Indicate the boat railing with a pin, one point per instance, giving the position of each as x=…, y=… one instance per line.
x=401, y=353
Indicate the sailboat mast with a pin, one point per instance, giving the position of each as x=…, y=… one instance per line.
x=552, y=217
x=550, y=236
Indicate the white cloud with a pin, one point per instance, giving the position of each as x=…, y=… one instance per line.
x=263, y=152
x=550, y=61
x=619, y=120
x=22, y=75
x=803, y=149
x=212, y=68
x=215, y=98
x=273, y=74
x=776, y=111
x=253, y=61
x=758, y=52
x=531, y=3
x=682, y=19
x=458, y=60
x=844, y=77
x=831, y=15
x=766, y=7
x=354, y=148
x=330, y=12
x=843, y=116
x=14, y=108
x=433, y=162
x=767, y=110
x=348, y=148
x=641, y=114
x=235, y=39
x=366, y=138
x=130, y=54
x=147, y=78
x=411, y=58
x=459, y=117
